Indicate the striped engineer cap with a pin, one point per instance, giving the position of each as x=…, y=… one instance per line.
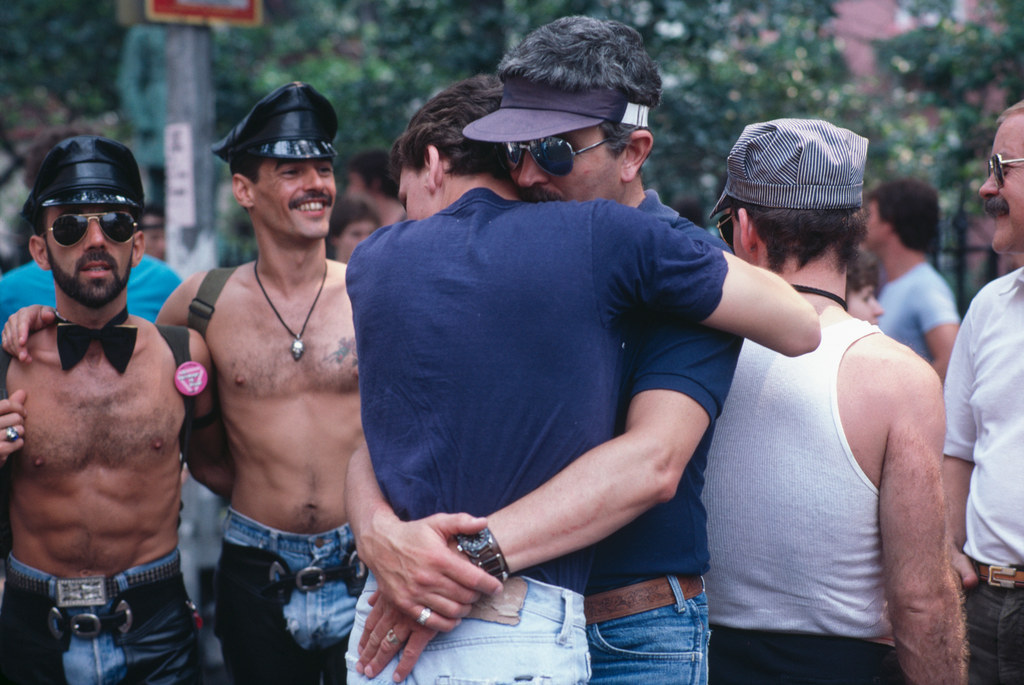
x=796, y=164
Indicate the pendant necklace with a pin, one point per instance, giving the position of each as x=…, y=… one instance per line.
x=297, y=346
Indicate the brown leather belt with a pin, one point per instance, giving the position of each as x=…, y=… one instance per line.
x=639, y=597
x=1001, y=576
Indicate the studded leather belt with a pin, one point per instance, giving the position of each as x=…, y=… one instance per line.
x=638, y=597
x=91, y=590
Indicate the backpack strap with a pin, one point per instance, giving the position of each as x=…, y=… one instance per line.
x=202, y=306
x=177, y=340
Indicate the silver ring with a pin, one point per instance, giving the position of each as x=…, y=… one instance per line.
x=392, y=638
x=11, y=434
x=424, y=615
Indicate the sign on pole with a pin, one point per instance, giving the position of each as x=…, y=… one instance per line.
x=237, y=12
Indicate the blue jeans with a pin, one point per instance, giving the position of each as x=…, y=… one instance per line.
x=161, y=647
x=547, y=647
x=288, y=635
x=662, y=646
x=995, y=633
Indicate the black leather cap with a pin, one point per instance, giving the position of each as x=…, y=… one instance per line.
x=293, y=122
x=85, y=170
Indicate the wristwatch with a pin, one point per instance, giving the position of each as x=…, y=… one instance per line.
x=482, y=549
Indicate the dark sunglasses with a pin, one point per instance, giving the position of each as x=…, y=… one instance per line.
x=68, y=229
x=996, y=164
x=725, y=227
x=552, y=154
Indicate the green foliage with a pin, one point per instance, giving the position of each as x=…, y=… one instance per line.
x=929, y=112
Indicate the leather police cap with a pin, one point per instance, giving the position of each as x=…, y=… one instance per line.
x=293, y=122
x=85, y=170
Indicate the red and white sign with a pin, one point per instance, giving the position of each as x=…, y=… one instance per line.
x=238, y=12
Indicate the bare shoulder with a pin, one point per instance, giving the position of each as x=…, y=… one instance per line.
x=336, y=274
x=889, y=372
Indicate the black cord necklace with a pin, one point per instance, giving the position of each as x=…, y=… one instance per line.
x=297, y=346
x=818, y=291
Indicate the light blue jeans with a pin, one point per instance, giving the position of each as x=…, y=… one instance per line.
x=547, y=647
x=320, y=619
x=666, y=646
x=97, y=660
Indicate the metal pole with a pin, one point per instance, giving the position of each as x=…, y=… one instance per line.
x=191, y=237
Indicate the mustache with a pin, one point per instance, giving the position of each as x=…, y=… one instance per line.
x=95, y=256
x=996, y=206
x=311, y=197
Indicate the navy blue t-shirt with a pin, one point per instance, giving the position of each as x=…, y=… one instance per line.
x=489, y=348
x=663, y=353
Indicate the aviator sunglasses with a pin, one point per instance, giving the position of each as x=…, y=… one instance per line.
x=996, y=164
x=68, y=229
x=552, y=154
x=725, y=227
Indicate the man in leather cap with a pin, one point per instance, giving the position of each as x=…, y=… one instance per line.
x=281, y=336
x=93, y=432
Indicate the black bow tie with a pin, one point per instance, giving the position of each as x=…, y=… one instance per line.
x=118, y=341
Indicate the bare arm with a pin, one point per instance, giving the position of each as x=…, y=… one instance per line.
x=209, y=460
x=939, y=341
x=608, y=486
x=761, y=306
x=924, y=601
x=956, y=479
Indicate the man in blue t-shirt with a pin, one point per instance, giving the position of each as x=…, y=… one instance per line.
x=489, y=339
x=646, y=609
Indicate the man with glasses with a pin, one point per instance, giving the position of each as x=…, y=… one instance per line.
x=983, y=467
x=93, y=431
x=824, y=492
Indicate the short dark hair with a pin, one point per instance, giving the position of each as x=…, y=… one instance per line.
x=440, y=122
x=372, y=167
x=247, y=164
x=351, y=208
x=862, y=271
x=579, y=53
x=912, y=207
x=806, y=234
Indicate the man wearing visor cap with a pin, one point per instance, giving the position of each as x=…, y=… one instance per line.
x=97, y=418
x=280, y=332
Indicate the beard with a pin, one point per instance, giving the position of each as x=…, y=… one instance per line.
x=92, y=294
x=536, y=194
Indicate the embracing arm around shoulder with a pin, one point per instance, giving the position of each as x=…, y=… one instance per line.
x=921, y=589
x=761, y=306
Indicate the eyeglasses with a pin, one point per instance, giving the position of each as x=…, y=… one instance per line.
x=552, y=154
x=996, y=164
x=68, y=229
x=724, y=226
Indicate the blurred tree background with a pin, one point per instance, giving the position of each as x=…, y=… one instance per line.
x=928, y=106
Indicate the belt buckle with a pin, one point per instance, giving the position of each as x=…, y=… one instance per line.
x=85, y=625
x=310, y=578
x=1007, y=579
x=81, y=592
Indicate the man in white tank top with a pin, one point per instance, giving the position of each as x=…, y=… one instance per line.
x=823, y=492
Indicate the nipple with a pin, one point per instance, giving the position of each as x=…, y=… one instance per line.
x=239, y=380
x=158, y=443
